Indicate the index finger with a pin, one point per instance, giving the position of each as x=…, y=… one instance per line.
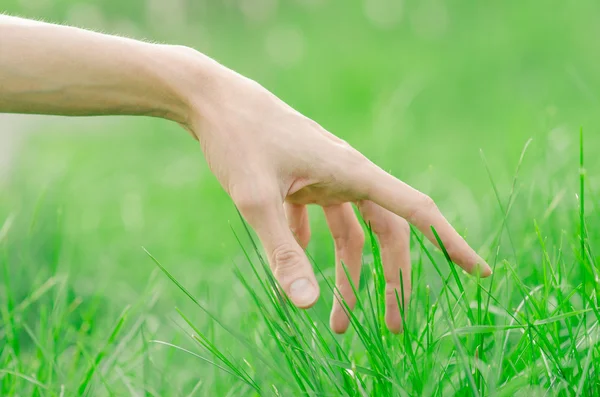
x=419, y=210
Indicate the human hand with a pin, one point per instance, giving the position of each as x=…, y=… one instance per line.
x=273, y=162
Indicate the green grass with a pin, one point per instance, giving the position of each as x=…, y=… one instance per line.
x=532, y=327
x=479, y=105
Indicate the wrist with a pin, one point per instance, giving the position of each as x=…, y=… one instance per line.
x=192, y=81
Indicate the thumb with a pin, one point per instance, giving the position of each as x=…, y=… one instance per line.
x=286, y=258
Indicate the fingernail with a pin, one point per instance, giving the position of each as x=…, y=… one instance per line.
x=302, y=292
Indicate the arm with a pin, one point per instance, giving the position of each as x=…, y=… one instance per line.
x=271, y=160
x=53, y=69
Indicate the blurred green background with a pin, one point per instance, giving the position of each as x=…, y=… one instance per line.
x=420, y=87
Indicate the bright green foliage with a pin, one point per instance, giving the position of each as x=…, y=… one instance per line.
x=420, y=95
x=536, y=331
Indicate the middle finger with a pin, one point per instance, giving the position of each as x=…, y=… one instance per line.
x=393, y=234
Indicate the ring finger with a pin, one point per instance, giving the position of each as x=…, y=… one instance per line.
x=393, y=234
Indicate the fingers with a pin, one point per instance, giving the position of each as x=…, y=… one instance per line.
x=297, y=216
x=393, y=234
x=420, y=210
x=349, y=239
x=287, y=259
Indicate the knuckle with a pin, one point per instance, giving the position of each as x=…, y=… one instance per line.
x=345, y=293
x=426, y=202
x=393, y=292
x=391, y=288
x=353, y=239
x=391, y=229
x=344, y=145
x=250, y=200
x=382, y=228
x=403, y=226
x=286, y=257
x=397, y=229
x=355, y=157
x=348, y=155
x=423, y=205
x=313, y=124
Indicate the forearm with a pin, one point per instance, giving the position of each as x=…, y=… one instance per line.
x=52, y=69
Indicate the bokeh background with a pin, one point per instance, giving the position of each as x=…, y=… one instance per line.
x=420, y=87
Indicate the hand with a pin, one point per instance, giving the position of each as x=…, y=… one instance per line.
x=273, y=161
x=270, y=159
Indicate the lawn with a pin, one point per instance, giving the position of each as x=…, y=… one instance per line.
x=126, y=270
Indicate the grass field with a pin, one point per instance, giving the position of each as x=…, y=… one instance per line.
x=125, y=269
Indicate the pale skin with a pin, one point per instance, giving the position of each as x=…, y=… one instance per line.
x=271, y=160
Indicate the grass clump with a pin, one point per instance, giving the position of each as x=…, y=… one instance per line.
x=531, y=328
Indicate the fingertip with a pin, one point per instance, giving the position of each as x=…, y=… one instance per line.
x=395, y=328
x=483, y=269
x=338, y=321
x=338, y=330
x=338, y=327
x=304, y=293
x=393, y=318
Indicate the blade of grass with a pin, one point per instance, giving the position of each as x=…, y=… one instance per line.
x=83, y=386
